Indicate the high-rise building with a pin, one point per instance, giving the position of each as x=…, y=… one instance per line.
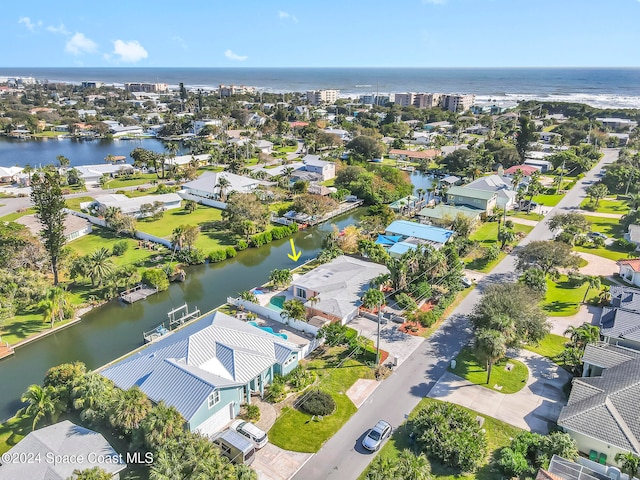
x=146, y=87
x=458, y=103
x=229, y=90
x=319, y=97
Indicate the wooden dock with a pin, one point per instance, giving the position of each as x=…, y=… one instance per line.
x=6, y=350
x=139, y=292
x=344, y=207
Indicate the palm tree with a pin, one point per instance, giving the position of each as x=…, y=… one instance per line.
x=91, y=395
x=413, y=467
x=633, y=201
x=168, y=464
x=592, y=281
x=100, y=265
x=95, y=473
x=63, y=161
x=490, y=345
x=42, y=402
x=161, y=423
x=54, y=304
x=516, y=179
x=420, y=192
x=583, y=335
x=557, y=182
x=533, y=188
x=222, y=185
x=629, y=463
x=286, y=174
x=382, y=468
x=294, y=310
x=280, y=277
x=177, y=237
x=110, y=159
x=129, y=408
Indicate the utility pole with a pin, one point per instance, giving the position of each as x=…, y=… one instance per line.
x=626, y=192
x=378, y=337
x=561, y=177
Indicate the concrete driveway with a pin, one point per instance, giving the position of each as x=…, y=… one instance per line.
x=274, y=463
x=392, y=340
x=598, y=265
x=532, y=408
x=586, y=314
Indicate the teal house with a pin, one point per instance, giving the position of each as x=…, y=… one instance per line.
x=207, y=369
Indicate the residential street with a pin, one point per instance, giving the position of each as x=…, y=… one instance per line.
x=342, y=456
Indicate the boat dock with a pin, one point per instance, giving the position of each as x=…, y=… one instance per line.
x=174, y=322
x=6, y=350
x=139, y=292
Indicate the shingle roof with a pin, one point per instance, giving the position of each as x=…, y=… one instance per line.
x=609, y=412
x=490, y=183
x=470, y=192
x=184, y=367
x=63, y=438
x=620, y=323
x=605, y=355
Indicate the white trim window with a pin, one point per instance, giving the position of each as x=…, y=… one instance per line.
x=214, y=398
x=289, y=360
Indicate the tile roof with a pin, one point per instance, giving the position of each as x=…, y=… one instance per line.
x=63, y=438
x=605, y=355
x=216, y=351
x=625, y=297
x=620, y=323
x=634, y=263
x=609, y=411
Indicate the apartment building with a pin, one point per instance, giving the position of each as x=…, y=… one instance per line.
x=146, y=87
x=229, y=90
x=458, y=103
x=319, y=97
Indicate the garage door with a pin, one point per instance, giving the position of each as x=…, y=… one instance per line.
x=217, y=421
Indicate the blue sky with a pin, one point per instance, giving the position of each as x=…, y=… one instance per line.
x=319, y=33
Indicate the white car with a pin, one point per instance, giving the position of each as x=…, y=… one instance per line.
x=375, y=436
x=253, y=433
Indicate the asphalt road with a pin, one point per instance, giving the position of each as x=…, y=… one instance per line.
x=343, y=457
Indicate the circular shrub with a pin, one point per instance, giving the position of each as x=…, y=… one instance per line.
x=318, y=402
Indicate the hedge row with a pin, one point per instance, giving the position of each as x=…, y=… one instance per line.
x=275, y=234
x=222, y=254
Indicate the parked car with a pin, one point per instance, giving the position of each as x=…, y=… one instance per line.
x=375, y=436
x=466, y=282
x=524, y=205
x=253, y=433
x=597, y=235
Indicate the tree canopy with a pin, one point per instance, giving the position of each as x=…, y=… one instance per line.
x=547, y=255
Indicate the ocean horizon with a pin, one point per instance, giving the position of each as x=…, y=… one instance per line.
x=598, y=87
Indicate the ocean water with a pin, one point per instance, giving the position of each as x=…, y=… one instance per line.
x=600, y=87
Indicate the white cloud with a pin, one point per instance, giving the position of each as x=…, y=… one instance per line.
x=233, y=56
x=180, y=41
x=29, y=24
x=79, y=44
x=436, y=2
x=129, y=52
x=287, y=16
x=61, y=29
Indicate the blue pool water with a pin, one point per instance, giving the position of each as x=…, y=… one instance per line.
x=269, y=330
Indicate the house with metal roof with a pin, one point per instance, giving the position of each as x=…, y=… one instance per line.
x=134, y=206
x=337, y=287
x=472, y=197
x=89, y=449
x=602, y=412
x=505, y=196
x=402, y=236
x=442, y=213
x=207, y=368
x=313, y=164
x=206, y=186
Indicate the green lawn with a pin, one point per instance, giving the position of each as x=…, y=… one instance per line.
x=294, y=430
x=609, y=226
x=610, y=251
x=13, y=430
x=212, y=236
x=15, y=215
x=469, y=368
x=563, y=298
x=606, y=206
x=287, y=149
x=486, y=235
x=499, y=434
x=19, y=327
x=527, y=216
x=137, y=179
x=74, y=203
x=548, y=200
x=551, y=346
x=101, y=237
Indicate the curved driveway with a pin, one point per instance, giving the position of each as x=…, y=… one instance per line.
x=400, y=393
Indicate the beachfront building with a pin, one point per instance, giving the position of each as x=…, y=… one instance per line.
x=402, y=235
x=74, y=227
x=207, y=185
x=230, y=90
x=62, y=440
x=134, y=207
x=321, y=97
x=458, y=103
x=146, y=87
x=207, y=369
x=418, y=100
x=337, y=287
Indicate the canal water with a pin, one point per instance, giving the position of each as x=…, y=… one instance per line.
x=114, y=329
x=40, y=152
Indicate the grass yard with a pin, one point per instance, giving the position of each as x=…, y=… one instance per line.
x=548, y=200
x=551, y=346
x=137, y=179
x=211, y=236
x=19, y=327
x=287, y=149
x=12, y=217
x=74, y=203
x=294, y=430
x=606, y=206
x=486, y=235
x=13, y=430
x=609, y=226
x=469, y=368
x=101, y=237
x=499, y=435
x=610, y=251
x=563, y=299
x=526, y=216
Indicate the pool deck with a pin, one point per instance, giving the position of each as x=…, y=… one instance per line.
x=293, y=336
x=264, y=299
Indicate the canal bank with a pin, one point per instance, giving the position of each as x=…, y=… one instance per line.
x=113, y=329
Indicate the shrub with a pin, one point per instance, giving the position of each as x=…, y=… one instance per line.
x=276, y=390
x=406, y=302
x=253, y=412
x=318, y=402
x=450, y=434
x=194, y=256
x=334, y=333
x=426, y=319
x=230, y=252
x=281, y=232
x=598, y=242
x=119, y=248
x=299, y=378
x=217, y=256
x=242, y=245
x=156, y=277
x=260, y=239
x=491, y=253
x=625, y=245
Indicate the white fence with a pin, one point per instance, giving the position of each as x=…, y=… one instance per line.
x=86, y=216
x=204, y=201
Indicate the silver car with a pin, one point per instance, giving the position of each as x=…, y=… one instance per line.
x=374, y=437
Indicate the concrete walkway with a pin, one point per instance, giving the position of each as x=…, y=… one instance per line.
x=598, y=265
x=361, y=389
x=274, y=463
x=523, y=221
x=533, y=408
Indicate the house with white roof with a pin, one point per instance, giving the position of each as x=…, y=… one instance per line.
x=91, y=174
x=133, y=206
x=505, y=195
x=337, y=287
x=279, y=170
x=64, y=439
x=620, y=321
x=181, y=160
x=9, y=174
x=74, y=226
x=206, y=186
x=313, y=164
x=207, y=369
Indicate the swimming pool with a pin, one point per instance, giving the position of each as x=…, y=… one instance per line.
x=269, y=330
x=276, y=303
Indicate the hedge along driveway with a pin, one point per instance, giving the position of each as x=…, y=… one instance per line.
x=295, y=430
